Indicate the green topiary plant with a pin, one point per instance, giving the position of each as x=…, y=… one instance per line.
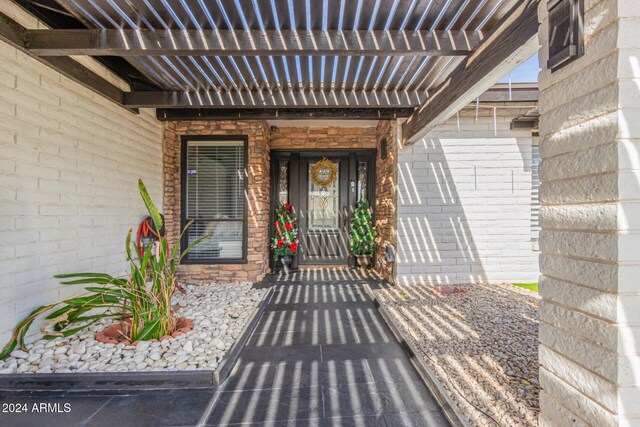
x=143, y=299
x=362, y=239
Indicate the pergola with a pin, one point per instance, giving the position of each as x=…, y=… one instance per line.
x=420, y=59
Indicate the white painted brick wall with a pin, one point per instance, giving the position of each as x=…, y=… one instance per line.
x=464, y=203
x=69, y=164
x=590, y=219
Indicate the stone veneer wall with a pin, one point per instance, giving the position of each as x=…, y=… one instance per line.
x=590, y=219
x=261, y=141
x=386, y=190
x=258, y=196
x=305, y=138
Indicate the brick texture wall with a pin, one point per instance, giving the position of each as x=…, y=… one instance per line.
x=464, y=203
x=69, y=162
x=386, y=189
x=590, y=219
x=301, y=138
x=258, y=196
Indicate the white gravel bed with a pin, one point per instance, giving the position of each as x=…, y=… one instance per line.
x=482, y=343
x=219, y=313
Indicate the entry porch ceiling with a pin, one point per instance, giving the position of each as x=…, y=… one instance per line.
x=340, y=54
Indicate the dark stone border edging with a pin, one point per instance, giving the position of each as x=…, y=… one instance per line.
x=126, y=381
x=446, y=402
x=229, y=362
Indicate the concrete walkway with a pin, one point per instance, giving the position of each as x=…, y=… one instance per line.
x=321, y=355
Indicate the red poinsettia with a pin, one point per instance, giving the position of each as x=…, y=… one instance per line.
x=288, y=226
x=287, y=207
x=276, y=224
x=293, y=247
x=280, y=243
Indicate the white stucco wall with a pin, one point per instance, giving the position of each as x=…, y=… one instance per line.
x=464, y=203
x=69, y=164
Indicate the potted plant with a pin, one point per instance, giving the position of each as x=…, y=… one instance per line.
x=362, y=240
x=285, y=240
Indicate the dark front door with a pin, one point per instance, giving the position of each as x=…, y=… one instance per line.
x=324, y=209
x=322, y=206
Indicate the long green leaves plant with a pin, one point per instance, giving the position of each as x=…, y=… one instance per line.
x=143, y=298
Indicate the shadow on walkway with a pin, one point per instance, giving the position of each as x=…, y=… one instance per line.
x=321, y=355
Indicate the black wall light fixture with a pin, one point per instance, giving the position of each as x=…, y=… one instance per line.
x=566, y=32
x=383, y=149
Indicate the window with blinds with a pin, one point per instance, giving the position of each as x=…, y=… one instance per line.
x=213, y=197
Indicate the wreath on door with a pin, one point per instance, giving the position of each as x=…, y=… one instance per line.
x=324, y=172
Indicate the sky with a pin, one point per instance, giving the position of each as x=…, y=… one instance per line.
x=527, y=72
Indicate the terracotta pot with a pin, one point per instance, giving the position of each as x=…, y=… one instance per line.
x=116, y=334
x=363, y=261
x=286, y=263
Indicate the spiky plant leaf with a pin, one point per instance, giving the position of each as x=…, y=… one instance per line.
x=148, y=331
x=17, y=337
x=151, y=207
x=148, y=307
x=193, y=244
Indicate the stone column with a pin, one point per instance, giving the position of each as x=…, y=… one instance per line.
x=590, y=218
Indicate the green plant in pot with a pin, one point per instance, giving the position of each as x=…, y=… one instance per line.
x=141, y=301
x=362, y=239
x=285, y=239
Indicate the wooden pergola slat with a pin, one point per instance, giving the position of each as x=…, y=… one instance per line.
x=264, y=99
x=510, y=44
x=127, y=42
x=15, y=34
x=275, y=64
x=282, y=113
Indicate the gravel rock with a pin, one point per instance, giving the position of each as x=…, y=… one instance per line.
x=219, y=312
x=80, y=348
x=34, y=357
x=482, y=343
x=20, y=354
x=142, y=346
x=220, y=345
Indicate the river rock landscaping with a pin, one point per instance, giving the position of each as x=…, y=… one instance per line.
x=219, y=313
x=482, y=343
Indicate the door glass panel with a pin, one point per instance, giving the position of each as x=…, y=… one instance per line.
x=323, y=201
x=362, y=180
x=283, y=182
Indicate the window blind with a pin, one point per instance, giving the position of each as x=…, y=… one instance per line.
x=214, y=199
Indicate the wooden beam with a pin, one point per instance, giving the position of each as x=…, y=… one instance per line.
x=298, y=99
x=512, y=42
x=126, y=42
x=282, y=113
x=15, y=34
